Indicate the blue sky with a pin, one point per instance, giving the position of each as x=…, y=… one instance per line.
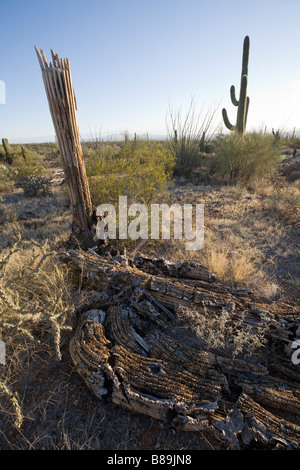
x=130, y=59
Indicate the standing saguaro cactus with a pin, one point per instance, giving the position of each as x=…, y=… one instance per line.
x=7, y=150
x=243, y=102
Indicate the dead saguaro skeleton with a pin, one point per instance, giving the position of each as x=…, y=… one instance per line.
x=132, y=347
x=62, y=105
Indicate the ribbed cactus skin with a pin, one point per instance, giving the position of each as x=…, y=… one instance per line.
x=243, y=102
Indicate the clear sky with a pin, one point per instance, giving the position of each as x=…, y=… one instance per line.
x=131, y=58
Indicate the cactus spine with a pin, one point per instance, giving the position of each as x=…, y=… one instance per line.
x=243, y=102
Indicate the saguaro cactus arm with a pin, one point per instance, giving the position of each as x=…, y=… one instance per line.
x=247, y=107
x=227, y=123
x=232, y=95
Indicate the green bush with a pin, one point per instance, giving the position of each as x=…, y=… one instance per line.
x=7, y=176
x=244, y=159
x=2, y=155
x=49, y=151
x=23, y=163
x=137, y=169
x=27, y=163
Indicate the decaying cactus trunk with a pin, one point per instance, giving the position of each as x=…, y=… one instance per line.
x=132, y=346
x=62, y=105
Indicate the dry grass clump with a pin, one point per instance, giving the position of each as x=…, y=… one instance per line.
x=34, y=295
x=233, y=266
x=35, y=308
x=233, y=257
x=39, y=219
x=13, y=400
x=283, y=204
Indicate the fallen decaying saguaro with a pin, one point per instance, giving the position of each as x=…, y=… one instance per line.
x=130, y=346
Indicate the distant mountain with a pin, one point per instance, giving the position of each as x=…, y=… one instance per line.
x=117, y=137
x=85, y=138
x=32, y=140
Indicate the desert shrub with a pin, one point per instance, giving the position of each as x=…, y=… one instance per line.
x=219, y=332
x=49, y=150
x=138, y=169
x=26, y=170
x=24, y=161
x=27, y=163
x=244, y=159
x=7, y=176
x=283, y=204
x=35, y=185
x=36, y=310
x=32, y=285
x=2, y=154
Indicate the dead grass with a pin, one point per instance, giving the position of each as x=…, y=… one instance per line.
x=251, y=236
x=38, y=219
